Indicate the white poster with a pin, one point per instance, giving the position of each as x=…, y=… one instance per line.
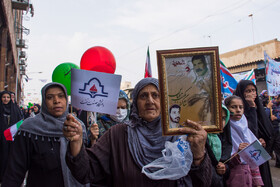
x=272, y=75
x=254, y=154
x=95, y=91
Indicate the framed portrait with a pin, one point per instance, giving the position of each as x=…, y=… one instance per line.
x=190, y=88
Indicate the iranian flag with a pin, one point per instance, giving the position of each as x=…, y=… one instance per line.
x=10, y=132
x=250, y=76
x=148, y=69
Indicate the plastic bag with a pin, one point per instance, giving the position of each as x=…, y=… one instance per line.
x=175, y=163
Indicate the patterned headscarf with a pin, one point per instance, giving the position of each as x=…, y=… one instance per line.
x=263, y=92
x=124, y=96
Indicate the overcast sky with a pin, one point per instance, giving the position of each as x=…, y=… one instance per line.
x=62, y=30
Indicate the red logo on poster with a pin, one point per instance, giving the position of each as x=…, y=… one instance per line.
x=93, y=88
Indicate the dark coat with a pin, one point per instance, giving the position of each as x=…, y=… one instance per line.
x=109, y=163
x=9, y=115
x=39, y=156
x=258, y=122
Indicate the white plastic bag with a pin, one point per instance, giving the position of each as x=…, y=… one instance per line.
x=175, y=163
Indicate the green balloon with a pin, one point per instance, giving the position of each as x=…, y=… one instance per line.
x=62, y=74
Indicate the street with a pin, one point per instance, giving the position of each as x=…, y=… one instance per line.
x=275, y=172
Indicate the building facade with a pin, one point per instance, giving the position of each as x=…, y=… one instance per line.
x=12, y=44
x=252, y=57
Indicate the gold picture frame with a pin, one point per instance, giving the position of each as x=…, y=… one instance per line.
x=190, y=88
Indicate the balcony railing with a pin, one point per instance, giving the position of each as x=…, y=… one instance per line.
x=20, y=4
x=22, y=62
x=22, y=54
x=20, y=43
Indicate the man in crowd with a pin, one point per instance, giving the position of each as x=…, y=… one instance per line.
x=174, y=116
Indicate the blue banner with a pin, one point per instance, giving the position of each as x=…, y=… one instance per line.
x=228, y=82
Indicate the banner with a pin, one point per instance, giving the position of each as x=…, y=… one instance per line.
x=228, y=82
x=272, y=71
x=254, y=154
x=95, y=91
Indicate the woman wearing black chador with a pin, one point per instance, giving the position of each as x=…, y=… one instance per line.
x=9, y=115
x=258, y=122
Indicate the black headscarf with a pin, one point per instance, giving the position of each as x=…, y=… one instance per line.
x=11, y=109
x=39, y=108
x=5, y=108
x=263, y=128
x=13, y=93
x=9, y=115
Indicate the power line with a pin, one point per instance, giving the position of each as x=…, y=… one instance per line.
x=224, y=10
x=241, y=19
x=230, y=8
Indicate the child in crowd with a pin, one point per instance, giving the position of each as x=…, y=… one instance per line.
x=240, y=173
x=219, y=149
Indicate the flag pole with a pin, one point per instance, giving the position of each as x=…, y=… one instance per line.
x=148, y=69
x=266, y=61
x=231, y=158
x=71, y=108
x=269, y=99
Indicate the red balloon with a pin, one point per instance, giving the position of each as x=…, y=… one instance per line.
x=98, y=59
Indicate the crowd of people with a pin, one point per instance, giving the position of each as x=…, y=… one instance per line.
x=59, y=145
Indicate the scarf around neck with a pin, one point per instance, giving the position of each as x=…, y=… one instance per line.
x=145, y=139
x=46, y=125
x=240, y=133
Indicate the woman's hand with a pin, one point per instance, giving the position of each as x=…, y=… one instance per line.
x=250, y=98
x=221, y=168
x=73, y=132
x=273, y=117
x=262, y=142
x=242, y=146
x=197, y=138
x=270, y=104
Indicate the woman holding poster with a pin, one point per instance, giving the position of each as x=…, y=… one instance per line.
x=39, y=146
x=119, y=155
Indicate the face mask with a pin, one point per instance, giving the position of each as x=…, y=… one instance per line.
x=120, y=115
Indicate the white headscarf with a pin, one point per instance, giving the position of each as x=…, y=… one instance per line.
x=240, y=133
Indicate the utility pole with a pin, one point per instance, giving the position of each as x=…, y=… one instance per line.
x=251, y=15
